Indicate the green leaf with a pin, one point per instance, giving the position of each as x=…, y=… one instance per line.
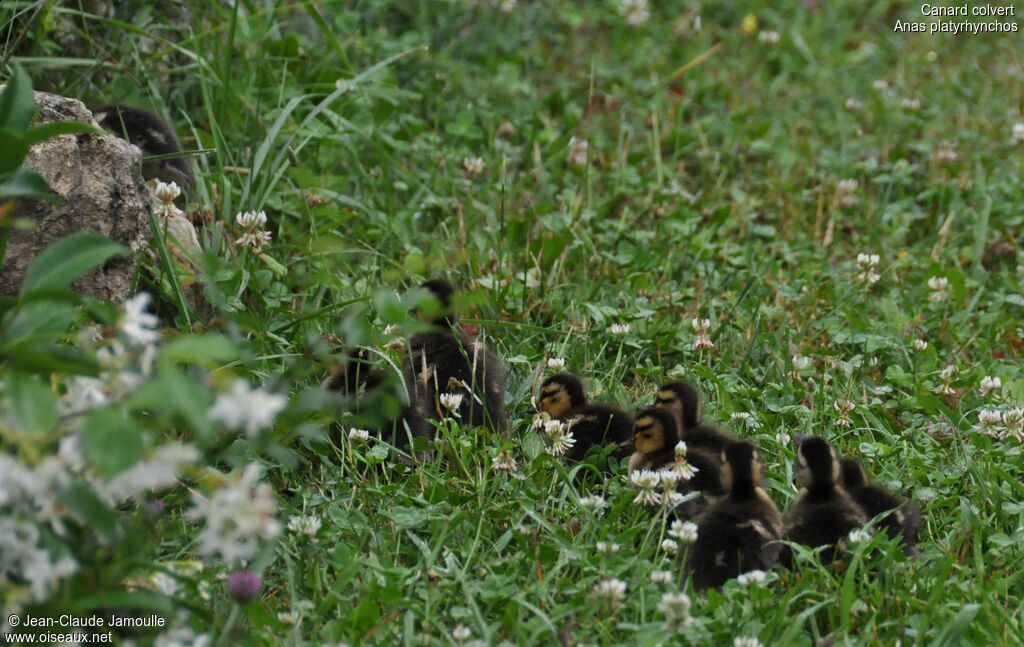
x=25, y=183
x=15, y=149
x=67, y=259
x=90, y=510
x=173, y=392
x=33, y=403
x=199, y=349
x=110, y=441
x=55, y=128
x=17, y=103
x=37, y=321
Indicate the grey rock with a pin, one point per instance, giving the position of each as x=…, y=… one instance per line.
x=97, y=179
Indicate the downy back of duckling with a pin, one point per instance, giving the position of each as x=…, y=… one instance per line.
x=903, y=520
x=447, y=360
x=823, y=514
x=153, y=137
x=378, y=394
x=739, y=532
x=683, y=400
x=563, y=397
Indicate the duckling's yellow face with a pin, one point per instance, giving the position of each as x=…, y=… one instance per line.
x=554, y=400
x=648, y=435
x=669, y=400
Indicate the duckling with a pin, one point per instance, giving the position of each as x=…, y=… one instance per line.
x=655, y=437
x=445, y=359
x=739, y=532
x=904, y=518
x=376, y=393
x=823, y=514
x=153, y=137
x=563, y=398
x=683, y=400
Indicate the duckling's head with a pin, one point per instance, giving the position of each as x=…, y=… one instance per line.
x=817, y=464
x=436, y=306
x=852, y=474
x=741, y=467
x=560, y=393
x=654, y=429
x=682, y=399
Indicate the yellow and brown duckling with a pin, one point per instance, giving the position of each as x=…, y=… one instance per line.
x=378, y=396
x=563, y=398
x=153, y=137
x=823, y=514
x=683, y=401
x=739, y=532
x=447, y=361
x=903, y=519
x=655, y=439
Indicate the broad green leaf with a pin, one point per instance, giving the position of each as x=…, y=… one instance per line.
x=25, y=183
x=67, y=259
x=200, y=349
x=37, y=321
x=111, y=442
x=14, y=148
x=33, y=403
x=89, y=509
x=55, y=128
x=17, y=103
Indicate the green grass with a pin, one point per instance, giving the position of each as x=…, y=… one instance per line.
x=711, y=191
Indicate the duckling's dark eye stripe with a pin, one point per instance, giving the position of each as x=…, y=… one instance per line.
x=643, y=428
x=664, y=400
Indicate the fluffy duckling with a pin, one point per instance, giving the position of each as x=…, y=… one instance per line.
x=153, y=137
x=447, y=360
x=379, y=394
x=904, y=518
x=739, y=532
x=592, y=425
x=655, y=437
x=683, y=401
x=823, y=514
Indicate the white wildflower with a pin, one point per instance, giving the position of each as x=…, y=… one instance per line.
x=946, y=375
x=990, y=385
x=746, y=641
x=944, y=153
x=540, y=421
x=684, y=531
x=662, y=577
x=83, y=394
x=800, y=362
x=634, y=11
x=473, y=166
x=593, y=502
x=552, y=427
x=700, y=327
x=756, y=577
x=392, y=330
x=561, y=441
x=607, y=547
x=452, y=402
x=612, y=592
x=307, y=525
x=990, y=423
x=254, y=235
x=920, y=344
x=843, y=408
x=247, y=409
x=157, y=472
x=461, y=633
x=858, y=535
x=1018, y=133
x=504, y=462
x=939, y=285
x=868, y=264
x=508, y=6
x=854, y=105
x=137, y=325
x=647, y=481
x=846, y=192
x=358, y=434
x=1013, y=419
x=237, y=516
x=577, y=151
x=676, y=608
x=782, y=438
x=768, y=37
x=911, y=104
x=670, y=546
x=556, y=363
x=620, y=329
x=164, y=195
x=287, y=617
x=881, y=85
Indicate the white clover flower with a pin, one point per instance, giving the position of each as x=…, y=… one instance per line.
x=612, y=592
x=1018, y=133
x=1013, y=419
x=540, y=421
x=948, y=373
x=246, y=408
x=552, y=427
x=920, y=344
x=680, y=449
x=676, y=608
x=137, y=325
x=911, y=104
x=670, y=546
x=392, y=330
x=684, y=531
x=756, y=577
x=800, y=362
x=634, y=11
x=593, y=502
x=157, y=472
x=452, y=402
x=287, y=617
x=782, y=438
x=307, y=525
x=868, y=264
x=254, y=235
x=668, y=479
x=701, y=327
x=83, y=394
x=358, y=434
x=473, y=166
x=881, y=85
x=854, y=105
x=768, y=37
x=990, y=422
x=746, y=641
x=504, y=462
x=164, y=196
x=843, y=408
x=461, y=633
x=236, y=517
x=662, y=577
x=508, y=6
x=577, y=151
x=620, y=329
x=846, y=193
x=990, y=385
x=944, y=153
x=561, y=441
x=607, y=547
x=939, y=285
x=647, y=481
x=858, y=535
x=556, y=363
